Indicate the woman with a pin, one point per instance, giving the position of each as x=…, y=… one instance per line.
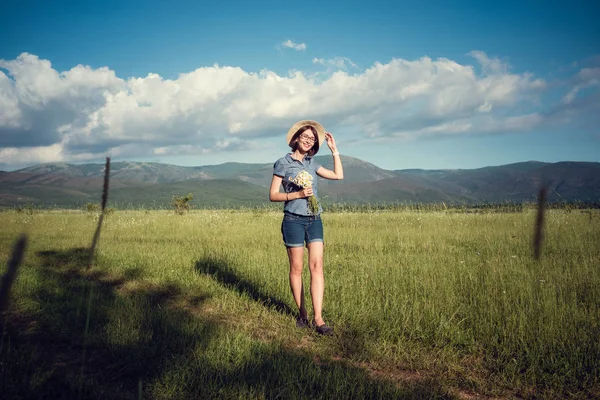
x=301, y=222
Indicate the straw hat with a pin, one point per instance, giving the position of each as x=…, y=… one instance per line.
x=318, y=127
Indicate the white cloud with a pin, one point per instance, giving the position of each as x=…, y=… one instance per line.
x=473, y=125
x=27, y=155
x=221, y=145
x=85, y=113
x=36, y=99
x=489, y=65
x=342, y=63
x=586, y=78
x=296, y=46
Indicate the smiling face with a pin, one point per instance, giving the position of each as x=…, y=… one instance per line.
x=305, y=140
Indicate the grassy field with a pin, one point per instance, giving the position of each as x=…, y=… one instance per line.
x=424, y=304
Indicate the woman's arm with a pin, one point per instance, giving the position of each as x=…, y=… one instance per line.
x=338, y=170
x=276, y=195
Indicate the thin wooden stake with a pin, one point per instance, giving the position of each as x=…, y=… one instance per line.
x=539, y=224
x=103, y=205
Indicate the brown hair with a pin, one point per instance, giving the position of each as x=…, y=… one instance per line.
x=294, y=141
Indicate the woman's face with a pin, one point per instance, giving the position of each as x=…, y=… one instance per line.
x=306, y=140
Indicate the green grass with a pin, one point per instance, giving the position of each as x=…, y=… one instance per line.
x=425, y=304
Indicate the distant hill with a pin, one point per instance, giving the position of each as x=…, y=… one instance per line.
x=566, y=181
x=242, y=184
x=122, y=171
x=390, y=190
x=258, y=174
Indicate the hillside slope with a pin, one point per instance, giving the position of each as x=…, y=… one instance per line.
x=239, y=184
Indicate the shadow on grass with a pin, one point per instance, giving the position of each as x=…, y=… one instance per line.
x=223, y=272
x=46, y=352
x=154, y=337
x=349, y=341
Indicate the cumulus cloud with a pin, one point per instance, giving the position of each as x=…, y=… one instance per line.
x=86, y=113
x=296, y=46
x=36, y=100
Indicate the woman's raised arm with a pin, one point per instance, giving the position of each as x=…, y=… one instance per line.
x=338, y=170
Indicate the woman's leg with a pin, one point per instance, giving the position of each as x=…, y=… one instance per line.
x=296, y=257
x=317, y=279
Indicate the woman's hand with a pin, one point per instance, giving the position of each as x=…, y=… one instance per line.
x=306, y=192
x=330, y=142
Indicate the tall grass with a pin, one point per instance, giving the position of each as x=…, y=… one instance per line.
x=424, y=304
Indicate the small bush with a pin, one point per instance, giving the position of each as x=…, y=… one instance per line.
x=26, y=209
x=182, y=203
x=92, y=207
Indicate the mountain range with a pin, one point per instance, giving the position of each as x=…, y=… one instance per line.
x=152, y=185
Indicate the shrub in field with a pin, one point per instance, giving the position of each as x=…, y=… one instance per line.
x=26, y=209
x=182, y=203
x=92, y=207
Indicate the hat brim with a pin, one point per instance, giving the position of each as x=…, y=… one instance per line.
x=318, y=127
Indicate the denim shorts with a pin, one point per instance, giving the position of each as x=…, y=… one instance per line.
x=299, y=229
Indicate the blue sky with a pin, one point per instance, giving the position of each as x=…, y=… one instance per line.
x=436, y=84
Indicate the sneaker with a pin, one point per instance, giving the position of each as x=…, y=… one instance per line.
x=324, y=330
x=302, y=323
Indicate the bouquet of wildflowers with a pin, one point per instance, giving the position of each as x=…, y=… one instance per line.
x=305, y=180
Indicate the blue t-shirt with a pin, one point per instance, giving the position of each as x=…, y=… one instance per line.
x=287, y=168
